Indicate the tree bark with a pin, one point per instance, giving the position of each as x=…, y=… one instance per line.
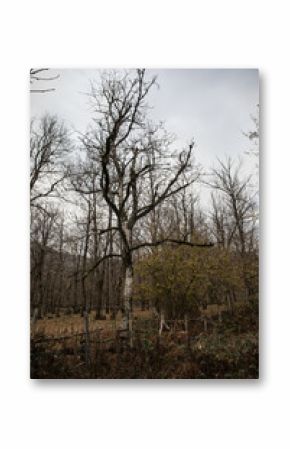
x=128, y=288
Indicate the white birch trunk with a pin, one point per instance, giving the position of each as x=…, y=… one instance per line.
x=128, y=285
x=162, y=323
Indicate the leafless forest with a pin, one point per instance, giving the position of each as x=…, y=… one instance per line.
x=133, y=273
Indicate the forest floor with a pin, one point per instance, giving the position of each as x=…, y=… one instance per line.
x=226, y=349
x=65, y=325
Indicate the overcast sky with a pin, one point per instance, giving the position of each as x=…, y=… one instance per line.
x=211, y=105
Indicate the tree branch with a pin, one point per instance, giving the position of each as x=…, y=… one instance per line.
x=178, y=242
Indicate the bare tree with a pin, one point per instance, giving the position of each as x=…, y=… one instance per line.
x=240, y=211
x=42, y=232
x=227, y=179
x=49, y=144
x=121, y=143
x=223, y=226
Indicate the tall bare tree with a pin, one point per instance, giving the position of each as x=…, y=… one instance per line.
x=121, y=143
x=239, y=209
x=227, y=179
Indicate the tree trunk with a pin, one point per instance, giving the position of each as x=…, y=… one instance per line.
x=186, y=330
x=162, y=323
x=87, y=339
x=128, y=287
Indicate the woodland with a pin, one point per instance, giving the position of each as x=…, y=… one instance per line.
x=132, y=273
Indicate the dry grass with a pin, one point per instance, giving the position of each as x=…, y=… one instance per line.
x=213, y=310
x=74, y=324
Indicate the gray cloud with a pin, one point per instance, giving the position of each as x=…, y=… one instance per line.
x=211, y=105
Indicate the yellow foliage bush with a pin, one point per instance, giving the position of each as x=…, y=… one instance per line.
x=180, y=279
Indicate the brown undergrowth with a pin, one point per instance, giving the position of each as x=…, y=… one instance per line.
x=228, y=349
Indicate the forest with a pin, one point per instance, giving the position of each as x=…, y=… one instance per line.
x=144, y=264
